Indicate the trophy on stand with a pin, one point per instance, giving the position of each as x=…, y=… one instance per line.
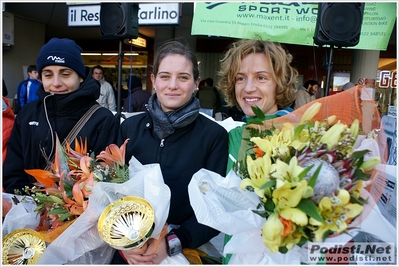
x=127, y=223
x=22, y=247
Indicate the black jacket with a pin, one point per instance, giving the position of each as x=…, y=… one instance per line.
x=38, y=122
x=202, y=144
x=136, y=100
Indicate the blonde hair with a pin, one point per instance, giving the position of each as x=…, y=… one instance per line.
x=280, y=59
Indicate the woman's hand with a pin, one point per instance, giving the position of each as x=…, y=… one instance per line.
x=158, y=248
x=136, y=255
x=152, y=252
x=6, y=207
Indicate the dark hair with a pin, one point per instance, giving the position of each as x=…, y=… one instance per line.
x=310, y=82
x=32, y=68
x=98, y=67
x=176, y=48
x=209, y=82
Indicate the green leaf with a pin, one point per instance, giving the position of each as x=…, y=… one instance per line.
x=312, y=180
x=304, y=172
x=64, y=217
x=68, y=188
x=258, y=112
x=327, y=234
x=269, y=205
x=263, y=213
x=298, y=130
x=360, y=200
x=254, y=121
x=309, y=207
x=302, y=241
x=268, y=184
x=58, y=211
x=359, y=154
x=283, y=250
x=360, y=175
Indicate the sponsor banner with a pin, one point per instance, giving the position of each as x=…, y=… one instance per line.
x=286, y=22
x=360, y=252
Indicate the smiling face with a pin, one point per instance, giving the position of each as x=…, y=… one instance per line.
x=174, y=82
x=60, y=79
x=255, y=85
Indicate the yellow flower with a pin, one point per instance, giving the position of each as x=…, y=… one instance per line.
x=288, y=195
x=355, y=128
x=292, y=239
x=331, y=119
x=278, y=143
x=332, y=136
x=283, y=171
x=272, y=231
x=369, y=164
x=263, y=143
x=310, y=112
x=356, y=191
x=258, y=171
x=295, y=215
x=336, y=212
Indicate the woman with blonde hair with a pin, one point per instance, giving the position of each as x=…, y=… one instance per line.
x=256, y=73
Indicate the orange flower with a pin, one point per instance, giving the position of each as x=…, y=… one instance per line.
x=258, y=152
x=45, y=178
x=114, y=154
x=287, y=226
x=74, y=156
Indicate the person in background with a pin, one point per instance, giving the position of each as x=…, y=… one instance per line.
x=26, y=89
x=4, y=89
x=347, y=86
x=209, y=97
x=7, y=119
x=68, y=91
x=137, y=98
x=306, y=93
x=175, y=135
x=107, y=97
x=256, y=73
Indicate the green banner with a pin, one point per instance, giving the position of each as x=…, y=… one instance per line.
x=286, y=22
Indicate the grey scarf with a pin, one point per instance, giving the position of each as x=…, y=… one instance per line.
x=165, y=123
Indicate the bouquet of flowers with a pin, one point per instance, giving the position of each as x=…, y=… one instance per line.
x=307, y=176
x=70, y=199
x=61, y=193
x=59, y=197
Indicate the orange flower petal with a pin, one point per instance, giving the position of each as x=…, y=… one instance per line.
x=44, y=177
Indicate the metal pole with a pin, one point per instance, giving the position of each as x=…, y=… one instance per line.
x=329, y=69
x=119, y=114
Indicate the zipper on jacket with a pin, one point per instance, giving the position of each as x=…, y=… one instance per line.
x=162, y=145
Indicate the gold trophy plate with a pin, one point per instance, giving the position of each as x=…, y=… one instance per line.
x=22, y=247
x=127, y=223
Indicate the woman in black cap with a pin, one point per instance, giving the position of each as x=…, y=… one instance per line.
x=68, y=92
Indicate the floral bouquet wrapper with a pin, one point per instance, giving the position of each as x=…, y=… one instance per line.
x=21, y=214
x=219, y=203
x=81, y=242
x=298, y=178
